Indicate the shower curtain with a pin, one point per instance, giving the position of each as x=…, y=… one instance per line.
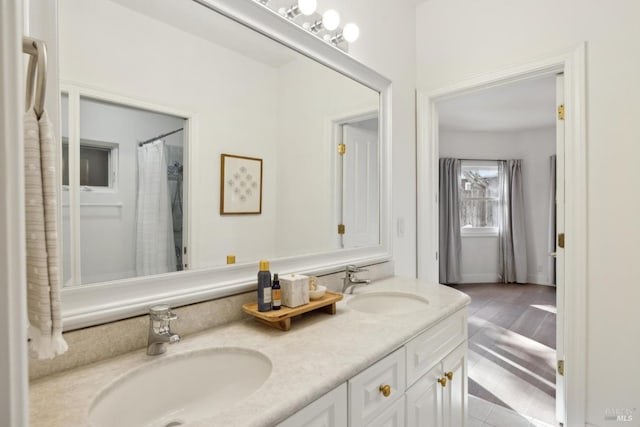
x=155, y=248
x=511, y=228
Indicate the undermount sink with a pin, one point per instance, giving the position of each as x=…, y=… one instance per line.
x=177, y=390
x=388, y=302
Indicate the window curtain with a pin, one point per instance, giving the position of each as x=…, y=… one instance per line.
x=450, y=241
x=511, y=228
x=552, y=219
x=155, y=246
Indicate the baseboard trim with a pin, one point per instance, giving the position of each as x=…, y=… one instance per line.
x=480, y=278
x=539, y=279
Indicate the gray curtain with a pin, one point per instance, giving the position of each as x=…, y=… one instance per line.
x=511, y=227
x=552, y=219
x=450, y=241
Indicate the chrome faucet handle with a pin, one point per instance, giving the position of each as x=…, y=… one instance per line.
x=352, y=268
x=161, y=312
x=160, y=333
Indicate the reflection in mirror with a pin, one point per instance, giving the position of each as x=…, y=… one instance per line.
x=127, y=186
x=237, y=92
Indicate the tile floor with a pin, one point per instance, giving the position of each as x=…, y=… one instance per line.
x=486, y=414
x=511, y=354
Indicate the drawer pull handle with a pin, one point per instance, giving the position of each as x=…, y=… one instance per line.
x=385, y=390
x=449, y=375
x=443, y=381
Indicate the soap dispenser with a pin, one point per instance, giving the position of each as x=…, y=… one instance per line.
x=264, y=287
x=276, y=294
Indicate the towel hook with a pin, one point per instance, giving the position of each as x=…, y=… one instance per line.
x=36, y=73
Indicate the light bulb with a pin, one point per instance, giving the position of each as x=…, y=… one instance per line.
x=330, y=19
x=351, y=32
x=307, y=7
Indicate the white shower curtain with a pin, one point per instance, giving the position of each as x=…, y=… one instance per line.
x=155, y=251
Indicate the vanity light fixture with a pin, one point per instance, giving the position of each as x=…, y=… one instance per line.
x=330, y=21
x=350, y=33
x=303, y=7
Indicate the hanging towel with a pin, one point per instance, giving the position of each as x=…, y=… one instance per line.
x=43, y=284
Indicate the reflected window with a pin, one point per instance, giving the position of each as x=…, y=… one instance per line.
x=97, y=164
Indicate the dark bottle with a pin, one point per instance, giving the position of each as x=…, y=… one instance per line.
x=276, y=293
x=264, y=287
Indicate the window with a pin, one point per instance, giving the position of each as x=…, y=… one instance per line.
x=479, y=188
x=97, y=164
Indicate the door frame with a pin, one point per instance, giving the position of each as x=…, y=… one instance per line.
x=573, y=64
x=14, y=386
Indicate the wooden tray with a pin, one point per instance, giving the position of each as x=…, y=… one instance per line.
x=281, y=319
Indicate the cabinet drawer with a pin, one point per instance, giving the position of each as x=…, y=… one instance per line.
x=428, y=348
x=328, y=411
x=366, y=399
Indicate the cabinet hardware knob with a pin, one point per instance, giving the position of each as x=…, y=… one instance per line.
x=443, y=381
x=449, y=375
x=385, y=390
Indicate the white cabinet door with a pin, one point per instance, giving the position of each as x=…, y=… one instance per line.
x=424, y=401
x=454, y=402
x=328, y=411
x=430, y=403
x=392, y=417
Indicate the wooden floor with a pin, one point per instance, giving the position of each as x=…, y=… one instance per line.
x=512, y=333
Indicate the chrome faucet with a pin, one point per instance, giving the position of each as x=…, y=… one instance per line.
x=350, y=280
x=160, y=317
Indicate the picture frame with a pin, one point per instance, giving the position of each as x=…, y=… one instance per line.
x=240, y=185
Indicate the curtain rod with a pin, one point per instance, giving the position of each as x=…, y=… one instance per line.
x=140, y=144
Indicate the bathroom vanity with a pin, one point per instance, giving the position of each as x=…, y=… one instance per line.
x=403, y=364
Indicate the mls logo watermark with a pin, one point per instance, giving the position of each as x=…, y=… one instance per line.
x=619, y=414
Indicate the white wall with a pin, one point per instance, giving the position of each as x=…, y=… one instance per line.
x=108, y=233
x=458, y=39
x=533, y=146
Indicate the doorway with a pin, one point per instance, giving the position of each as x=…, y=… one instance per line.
x=512, y=348
x=570, y=337
x=357, y=182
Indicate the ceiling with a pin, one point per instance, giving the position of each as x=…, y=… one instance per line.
x=526, y=104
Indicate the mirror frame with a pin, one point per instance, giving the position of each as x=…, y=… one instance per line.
x=93, y=304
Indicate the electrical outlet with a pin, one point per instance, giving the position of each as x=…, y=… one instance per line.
x=400, y=227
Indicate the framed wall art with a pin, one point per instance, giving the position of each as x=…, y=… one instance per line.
x=240, y=185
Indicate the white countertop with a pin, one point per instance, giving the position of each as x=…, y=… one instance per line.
x=319, y=353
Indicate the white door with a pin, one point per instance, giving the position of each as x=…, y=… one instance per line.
x=560, y=392
x=360, y=184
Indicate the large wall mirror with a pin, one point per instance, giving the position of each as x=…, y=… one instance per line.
x=180, y=119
